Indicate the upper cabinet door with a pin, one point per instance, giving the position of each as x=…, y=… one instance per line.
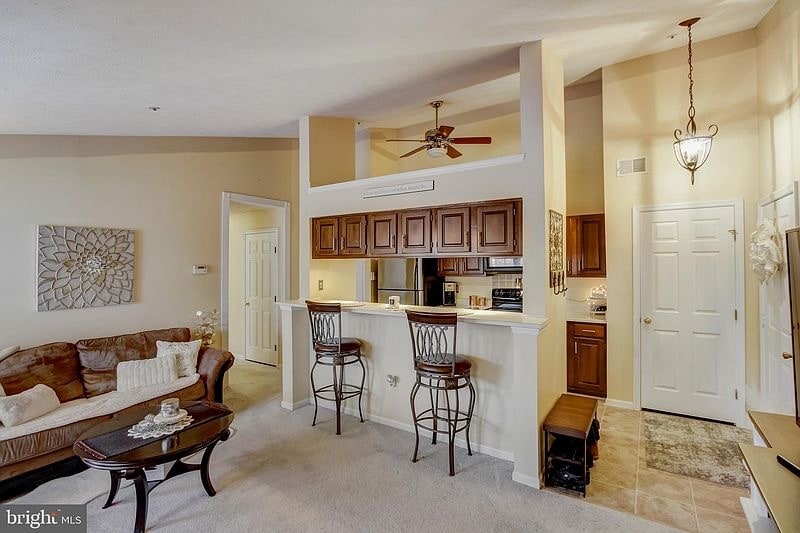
x=497, y=228
x=325, y=237
x=382, y=234
x=449, y=266
x=586, y=246
x=415, y=232
x=453, y=225
x=353, y=236
x=472, y=266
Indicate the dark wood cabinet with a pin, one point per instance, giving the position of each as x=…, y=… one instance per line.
x=461, y=266
x=325, y=237
x=353, y=236
x=586, y=358
x=453, y=226
x=415, y=232
x=497, y=228
x=381, y=234
x=586, y=246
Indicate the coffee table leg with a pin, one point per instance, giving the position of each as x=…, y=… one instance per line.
x=204, y=474
x=140, y=482
x=112, y=493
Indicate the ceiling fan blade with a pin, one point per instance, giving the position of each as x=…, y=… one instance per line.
x=471, y=140
x=452, y=152
x=414, y=151
x=446, y=130
x=405, y=140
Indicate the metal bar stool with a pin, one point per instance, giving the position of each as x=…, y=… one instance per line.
x=441, y=371
x=337, y=352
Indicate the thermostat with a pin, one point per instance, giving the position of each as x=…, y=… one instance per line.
x=200, y=269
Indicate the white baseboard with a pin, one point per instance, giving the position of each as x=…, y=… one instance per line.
x=295, y=405
x=525, y=479
x=621, y=404
x=461, y=443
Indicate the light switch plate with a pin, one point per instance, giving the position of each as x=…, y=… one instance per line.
x=320, y=285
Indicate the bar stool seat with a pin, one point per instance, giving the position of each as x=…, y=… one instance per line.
x=462, y=367
x=349, y=345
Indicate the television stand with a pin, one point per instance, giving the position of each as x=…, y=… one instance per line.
x=793, y=468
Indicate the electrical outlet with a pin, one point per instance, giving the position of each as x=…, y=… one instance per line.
x=320, y=285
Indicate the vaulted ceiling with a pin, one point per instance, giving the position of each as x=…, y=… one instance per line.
x=253, y=67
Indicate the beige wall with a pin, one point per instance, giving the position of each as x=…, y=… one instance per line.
x=168, y=190
x=643, y=101
x=338, y=278
x=583, y=125
x=332, y=148
x=243, y=220
x=779, y=95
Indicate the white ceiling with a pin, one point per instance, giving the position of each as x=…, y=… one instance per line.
x=253, y=67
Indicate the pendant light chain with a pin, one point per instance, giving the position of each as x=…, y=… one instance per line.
x=691, y=85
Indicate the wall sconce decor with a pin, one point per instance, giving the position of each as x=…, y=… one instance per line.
x=557, y=276
x=692, y=150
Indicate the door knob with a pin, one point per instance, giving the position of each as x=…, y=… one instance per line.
x=247, y=304
x=647, y=320
x=786, y=355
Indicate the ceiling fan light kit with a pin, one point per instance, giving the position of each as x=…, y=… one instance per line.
x=437, y=142
x=692, y=150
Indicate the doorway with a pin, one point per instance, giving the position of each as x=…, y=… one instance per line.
x=689, y=309
x=777, y=374
x=255, y=275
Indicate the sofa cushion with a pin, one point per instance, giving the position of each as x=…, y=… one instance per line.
x=185, y=353
x=28, y=405
x=169, y=335
x=62, y=427
x=55, y=365
x=99, y=359
x=133, y=375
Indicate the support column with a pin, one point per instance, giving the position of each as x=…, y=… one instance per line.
x=296, y=356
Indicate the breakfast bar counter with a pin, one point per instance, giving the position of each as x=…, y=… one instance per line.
x=502, y=346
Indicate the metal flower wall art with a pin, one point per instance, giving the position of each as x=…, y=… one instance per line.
x=84, y=267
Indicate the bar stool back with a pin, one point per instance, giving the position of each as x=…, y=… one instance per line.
x=337, y=352
x=443, y=372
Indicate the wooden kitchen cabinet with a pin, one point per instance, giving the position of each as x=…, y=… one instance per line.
x=381, y=234
x=353, y=236
x=325, y=237
x=498, y=225
x=453, y=227
x=416, y=236
x=586, y=358
x=461, y=266
x=586, y=246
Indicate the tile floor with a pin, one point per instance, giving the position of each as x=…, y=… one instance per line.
x=621, y=480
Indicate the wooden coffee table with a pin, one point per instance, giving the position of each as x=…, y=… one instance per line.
x=108, y=447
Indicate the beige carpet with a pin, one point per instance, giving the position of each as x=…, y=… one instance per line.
x=696, y=448
x=277, y=473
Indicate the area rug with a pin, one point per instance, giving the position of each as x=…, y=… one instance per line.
x=696, y=448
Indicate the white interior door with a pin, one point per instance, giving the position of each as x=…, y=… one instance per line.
x=777, y=376
x=260, y=288
x=687, y=304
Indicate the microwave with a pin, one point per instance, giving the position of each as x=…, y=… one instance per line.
x=503, y=264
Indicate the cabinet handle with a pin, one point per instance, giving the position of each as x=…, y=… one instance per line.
x=405, y=240
x=576, y=348
x=394, y=241
x=587, y=331
x=341, y=243
x=480, y=238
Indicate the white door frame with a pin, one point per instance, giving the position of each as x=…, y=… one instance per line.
x=783, y=192
x=284, y=273
x=739, y=328
x=276, y=313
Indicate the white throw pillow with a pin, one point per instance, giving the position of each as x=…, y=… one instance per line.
x=132, y=375
x=2, y=391
x=5, y=352
x=186, y=352
x=27, y=405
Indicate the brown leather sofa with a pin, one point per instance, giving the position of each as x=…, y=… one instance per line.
x=84, y=370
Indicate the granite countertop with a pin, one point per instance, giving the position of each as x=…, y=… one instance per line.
x=579, y=312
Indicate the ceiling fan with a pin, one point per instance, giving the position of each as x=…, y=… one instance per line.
x=438, y=142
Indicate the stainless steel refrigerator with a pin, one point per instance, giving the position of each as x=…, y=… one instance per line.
x=403, y=278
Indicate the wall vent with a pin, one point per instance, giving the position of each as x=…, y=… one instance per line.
x=635, y=165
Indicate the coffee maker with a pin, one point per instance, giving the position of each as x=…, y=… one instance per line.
x=449, y=290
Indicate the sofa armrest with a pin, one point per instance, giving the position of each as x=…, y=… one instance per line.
x=212, y=365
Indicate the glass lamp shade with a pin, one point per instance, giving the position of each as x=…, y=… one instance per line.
x=691, y=152
x=436, y=151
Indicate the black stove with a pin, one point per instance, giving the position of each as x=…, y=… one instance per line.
x=507, y=300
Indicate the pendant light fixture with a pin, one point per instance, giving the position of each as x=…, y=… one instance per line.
x=691, y=149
